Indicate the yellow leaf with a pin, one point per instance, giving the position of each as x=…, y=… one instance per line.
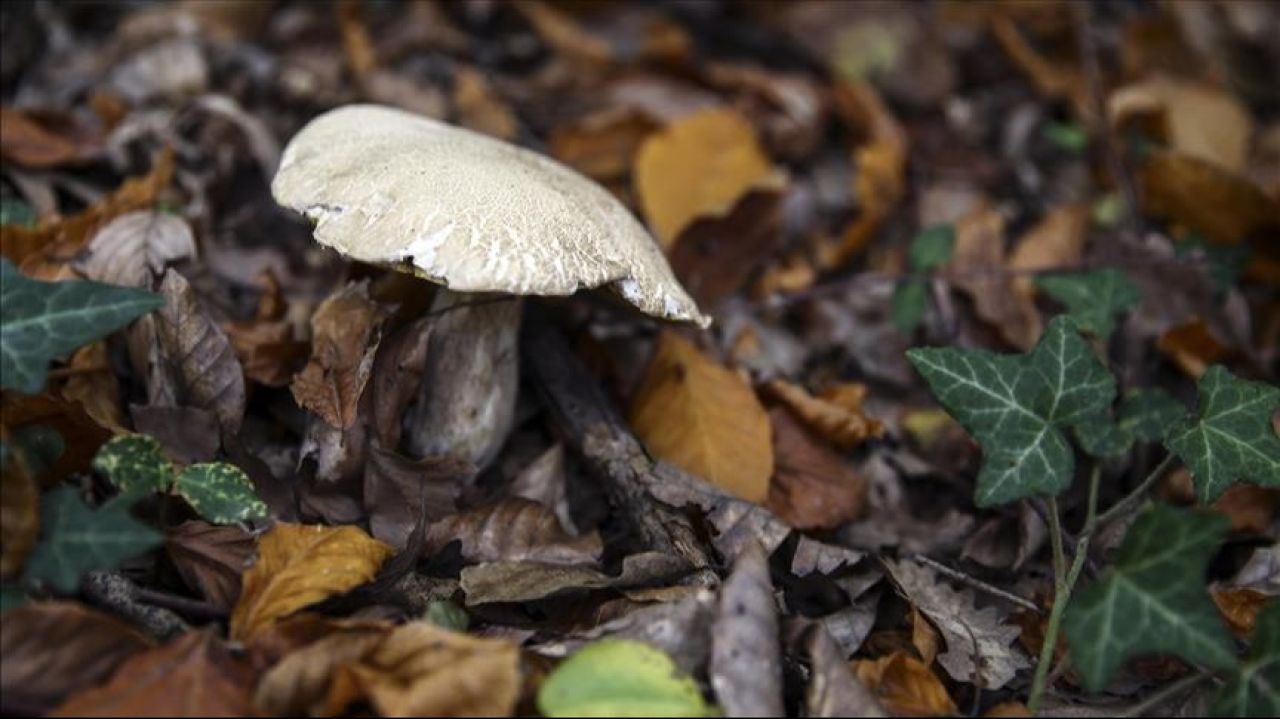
x=299, y=565
x=1197, y=120
x=700, y=165
x=906, y=686
x=704, y=418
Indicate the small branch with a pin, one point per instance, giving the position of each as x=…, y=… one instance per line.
x=979, y=584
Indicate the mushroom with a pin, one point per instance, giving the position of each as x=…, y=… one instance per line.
x=487, y=220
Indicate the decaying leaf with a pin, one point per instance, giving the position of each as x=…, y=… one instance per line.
x=1195, y=119
x=513, y=530
x=906, y=686
x=136, y=247
x=713, y=256
x=746, y=663
x=1225, y=207
x=300, y=565
x=836, y=414
x=834, y=689
x=211, y=559
x=702, y=417
x=345, y=335
x=531, y=581
x=19, y=510
x=978, y=268
x=396, y=486
x=812, y=486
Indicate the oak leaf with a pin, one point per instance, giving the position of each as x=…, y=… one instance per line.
x=700, y=416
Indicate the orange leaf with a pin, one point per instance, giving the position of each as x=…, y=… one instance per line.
x=837, y=416
x=1240, y=607
x=1192, y=347
x=812, y=487
x=905, y=686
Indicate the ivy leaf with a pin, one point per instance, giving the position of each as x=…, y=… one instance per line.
x=1231, y=439
x=1149, y=415
x=620, y=678
x=932, y=247
x=1153, y=600
x=1254, y=689
x=78, y=539
x=1017, y=406
x=220, y=493
x=1100, y=436
x=135, y=464
x=1094, y=298
x=910, y=299
x=43, y=320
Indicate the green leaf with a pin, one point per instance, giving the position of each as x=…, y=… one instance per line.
x=1231, y=439
x=135, y=464
x=910, y=299
x=39, y=446
x=932, y=247
x=1254, y=689
x=43, y=320
x=77, y=539
x=1100, y=437
x=1017, y=405
x=1149, y=415
x=220, y=493
x=447, y=615
x=1094, y=298
x=1067, y=136
x=16, y=212
x=620, y=678
x=1153, y=600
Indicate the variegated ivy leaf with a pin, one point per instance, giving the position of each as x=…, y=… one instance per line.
x=1153, y=600
x=135, y=464
x=220, y=493
x=1094, y=298
x=1254, y=689
x=1230, y=439
x=1017, y=406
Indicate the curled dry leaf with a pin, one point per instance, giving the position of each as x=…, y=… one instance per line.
x=195, y=675
x=345, y=334
x=211, y=558
x=978, y=268
x=513, y=530
x=51, y=649
x=41, y=140
x=299, y=656
x=136, y=247
x=1195, y=119
x=299, y=565
x=544, y=481
x=836, y=414
x=812, y=486
x=198, y=355
x=92, y=384
x=746, y=661
x=714, y=256
x=702, y=417
x=699, y=165
x=906, y=686
x=395, y=485
x=19, y=510
x=531, y=581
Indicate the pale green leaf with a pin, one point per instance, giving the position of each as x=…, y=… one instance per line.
x=910, y=299
x=620, y=678
x=1231, y=438
x=220, y=492
x=76, y=539
x=932, y=247
x=135, y=464
x=1094, y=298
x=1017, y=406
x=1153, y=601
x=1254, y=689
x=40, y=321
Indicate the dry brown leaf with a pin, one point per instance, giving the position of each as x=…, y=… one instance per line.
x=267, y=351
x=513, y=530
x=746, y=665
x=395, y=487
x=812, y=486
x=357, y=46
x=198, y=354
x=1195, y=119
x=479, y=107
x=787, y=109
x=91, y=382
x=924, y=637
x=977, y=267
x=793, y=273
x=135, y=248
x=1058, y=241
x=1192, y=347
x=211, y=559
x=81, y=435
x=836, y=415
x=303, y=653
x=51, y=649
x=704, y=418
x=299, y=565
x=195, y=675
x=1051, y=78
x=346, y=330
x=397, y=374
x=714, y=256
x=697, y=166
x=906, y=686
x=1250, y=508
x=187, y=434
x=603, y=145
x=19, y=509
x=42, y=140
x=835, y=690
x=1240, y=607
x=566, y=36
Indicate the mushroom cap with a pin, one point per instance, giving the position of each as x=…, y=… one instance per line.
x=473, y=213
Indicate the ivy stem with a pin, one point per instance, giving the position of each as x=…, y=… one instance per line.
x=1119, y=509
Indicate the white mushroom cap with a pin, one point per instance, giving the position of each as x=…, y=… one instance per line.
x=476, y=214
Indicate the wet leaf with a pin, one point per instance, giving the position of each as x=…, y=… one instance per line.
x=700, y=416
x=746, y=661
x=513, y=530
x=1153, y=600
x=220, y=493
x=1093, y=299
x=77, y=539
x=906, y=686
x=43, y=321
x=299, y=565
x=617, y=678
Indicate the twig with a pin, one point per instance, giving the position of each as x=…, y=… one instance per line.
x=978, y=584
x=1165, y=694
x=1122, y=507
x=115, y=593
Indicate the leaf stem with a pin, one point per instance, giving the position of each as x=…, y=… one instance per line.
x=1119, y=509
x=1166, y=694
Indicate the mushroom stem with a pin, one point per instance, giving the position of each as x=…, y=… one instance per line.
x=466, y=403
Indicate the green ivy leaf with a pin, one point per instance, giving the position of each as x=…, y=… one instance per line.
x=1231, y=439
x=620, y=678
x=16, y=212
x=910, y=299
x=220, y=492
x=932, y=247
x=1149, y=415
x=1254, y=689
x=43, y=320
x=1100, y=436
x=1017, y=405
x=1153, y=600
x=1094, y=298
x=78, y=539
x=135, y=464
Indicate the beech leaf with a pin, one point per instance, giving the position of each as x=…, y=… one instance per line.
x=78, y=539
x=620, y=678
x=1017, y=406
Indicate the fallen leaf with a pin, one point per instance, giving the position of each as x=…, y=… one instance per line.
x=1008, y=709
x=559, y=30
x=268, y=351
x=978, y=268
x=1051, y=77
x=700, y=165
x=43, y=140
x=479, y=107
x=746, y=661
x=812, y=486
x=52, y=649
x=81, y=435
x=700, y=416
x=187, y=434
x=788, y=109
x=357, y=46
x=1240, y=607
x=1057, y=241
x=1192, y=347
x=924, y=637
x=513, y=530
x=1223, y=206
x=398, y=367
x=602, y=145
x=19, y=509
x=394, y=489
x=299, y=565
x=834, y=689
x=1249, y=507
x=1195, y=119
x=301, y=654
x=906, y=686
x=345, y=334
x=92, y=384
x=619, y=677
x=543, y=481
x=836, y=415
x=530, y=581
x=211, y=559
x=714, y=256
x=136, y=247
x=195, y=675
